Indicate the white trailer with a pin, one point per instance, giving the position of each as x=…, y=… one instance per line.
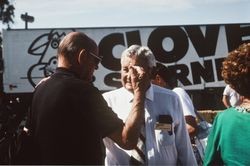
x=193, y=52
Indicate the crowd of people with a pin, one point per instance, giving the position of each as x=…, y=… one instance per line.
x=148, y=121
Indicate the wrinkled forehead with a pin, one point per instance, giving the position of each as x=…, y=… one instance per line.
x=134, y=61
x=129, y=61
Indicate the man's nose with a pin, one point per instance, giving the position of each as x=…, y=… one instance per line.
x=129, y=74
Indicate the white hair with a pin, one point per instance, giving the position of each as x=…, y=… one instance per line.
x=142, y=52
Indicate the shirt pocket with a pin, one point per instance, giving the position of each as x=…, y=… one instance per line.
x=164, y=137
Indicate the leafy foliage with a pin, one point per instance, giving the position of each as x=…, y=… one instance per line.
x=6, y=12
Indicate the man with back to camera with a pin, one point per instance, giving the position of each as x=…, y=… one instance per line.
x=69, y=116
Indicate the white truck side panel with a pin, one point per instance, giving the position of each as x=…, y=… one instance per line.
x=193, y=52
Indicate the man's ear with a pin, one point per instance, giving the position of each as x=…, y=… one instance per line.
x=82, y=56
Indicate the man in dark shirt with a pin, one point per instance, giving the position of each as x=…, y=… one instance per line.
x=69, y=116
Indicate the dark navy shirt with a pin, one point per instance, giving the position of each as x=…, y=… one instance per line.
x=69, y=118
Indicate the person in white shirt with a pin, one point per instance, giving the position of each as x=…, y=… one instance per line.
x=167, y=140
x=230, y=97
x=163, y=77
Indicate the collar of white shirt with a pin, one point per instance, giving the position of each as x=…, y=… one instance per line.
x=149, y=93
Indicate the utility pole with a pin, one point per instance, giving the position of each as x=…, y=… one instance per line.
x=26, y=18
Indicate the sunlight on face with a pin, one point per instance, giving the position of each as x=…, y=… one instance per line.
x=126, y=72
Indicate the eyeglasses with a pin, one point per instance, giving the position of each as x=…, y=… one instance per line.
x=98, y=59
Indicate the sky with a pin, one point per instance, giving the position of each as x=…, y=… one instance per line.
x=116, y=13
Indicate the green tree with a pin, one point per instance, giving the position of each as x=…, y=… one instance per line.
x=6, y=12
x=6, y=17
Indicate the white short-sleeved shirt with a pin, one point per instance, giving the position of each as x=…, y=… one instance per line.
x=234, y=97
x=186, y=102
x=162, y=147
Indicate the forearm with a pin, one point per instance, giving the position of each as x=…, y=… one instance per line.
x=191, y=125
x=225, y=101
x=134, y=122
x=127, y=136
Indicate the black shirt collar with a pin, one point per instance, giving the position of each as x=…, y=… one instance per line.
x=66, y=71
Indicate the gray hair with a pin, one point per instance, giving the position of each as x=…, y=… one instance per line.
x=142, y=52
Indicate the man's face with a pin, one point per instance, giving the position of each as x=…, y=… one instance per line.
x=126, y=73
x=90, y=65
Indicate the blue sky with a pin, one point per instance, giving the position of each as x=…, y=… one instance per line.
x=109, y=13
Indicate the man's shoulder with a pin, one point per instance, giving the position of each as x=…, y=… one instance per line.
x=119, y=90
x=227, y=90
x=115, y=92
x=70, y=83
x=164, y=91
x=179, y=90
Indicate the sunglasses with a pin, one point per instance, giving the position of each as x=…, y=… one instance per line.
x=97, y=59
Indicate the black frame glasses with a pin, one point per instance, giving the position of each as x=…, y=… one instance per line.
x=98, y=59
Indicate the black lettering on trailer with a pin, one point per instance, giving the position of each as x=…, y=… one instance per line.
x=205, y=45
x=106, y=46
x=204, y=71
x=179, y=38
x=181, y=73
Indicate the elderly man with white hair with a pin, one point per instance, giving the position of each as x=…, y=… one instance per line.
x=164, y=139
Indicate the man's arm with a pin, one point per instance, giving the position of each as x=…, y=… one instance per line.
x=225, y=101
x=188, y=110
x=127, y=137
x=182, y=140
x=191, y=125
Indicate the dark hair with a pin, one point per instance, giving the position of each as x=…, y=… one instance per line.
x=165, y=74
x=236, y=69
